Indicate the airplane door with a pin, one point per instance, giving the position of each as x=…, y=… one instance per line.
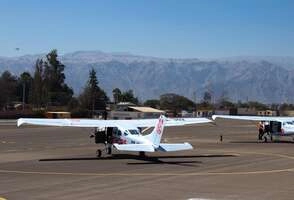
x=275, y=127
x=116, y=135
x=109, y=134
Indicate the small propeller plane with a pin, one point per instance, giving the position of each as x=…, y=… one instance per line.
x=125, y=135
x=278, y=126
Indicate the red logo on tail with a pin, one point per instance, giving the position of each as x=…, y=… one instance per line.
x=159, y=126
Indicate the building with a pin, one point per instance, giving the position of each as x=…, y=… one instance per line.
x=127, y=111
x=56, y=115
x=289, y=113
x=204, y=113
x=246, y=111
x=231, y=111
x=267, y=113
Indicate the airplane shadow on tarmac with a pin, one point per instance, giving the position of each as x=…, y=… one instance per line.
x=146, y=159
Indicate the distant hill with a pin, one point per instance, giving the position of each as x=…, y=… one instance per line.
x=266, y=79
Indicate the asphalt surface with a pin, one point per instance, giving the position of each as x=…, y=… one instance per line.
x=60, y=163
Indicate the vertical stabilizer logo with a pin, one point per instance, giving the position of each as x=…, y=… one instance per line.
x=159, y=126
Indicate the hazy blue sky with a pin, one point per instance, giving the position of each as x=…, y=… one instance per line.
x=179, y=28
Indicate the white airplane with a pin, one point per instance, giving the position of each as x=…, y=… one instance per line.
x=278, y=126
x=125, y=135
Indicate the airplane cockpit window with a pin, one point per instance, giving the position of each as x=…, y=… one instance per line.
x=116, y=131
x=289, y=123
x=134, y=132
x=125, y=133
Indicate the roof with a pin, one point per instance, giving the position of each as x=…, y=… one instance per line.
x=125, y=104
x=146, y=109
x=59, y=112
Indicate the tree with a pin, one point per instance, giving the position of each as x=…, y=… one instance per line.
x=93, y=97
x=224, y=101
x=257, y=105
x=128, y=96
x=8, y=84
x=207, y=97
x=59, y=93
x=24, y=87
x=39, y=91
x=226, y=104
x=154, y=103
x=176, y=103
x=116, y=95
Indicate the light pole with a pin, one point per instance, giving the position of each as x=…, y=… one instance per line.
x=23, y=95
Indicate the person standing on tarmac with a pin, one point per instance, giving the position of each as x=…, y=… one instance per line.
x=260, y=130
x=267, y=127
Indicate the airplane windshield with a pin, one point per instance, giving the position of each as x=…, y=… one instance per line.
x=134, y=132
x=289, y=123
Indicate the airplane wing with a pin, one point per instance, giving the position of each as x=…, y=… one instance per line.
x=253, y=118
x=134, y=147
x=108, y=123
x=175, y=146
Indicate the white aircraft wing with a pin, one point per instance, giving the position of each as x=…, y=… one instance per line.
x=185, y=121
x=108, y=123
x=254, y=118
x=175, y=146
x=134, y=147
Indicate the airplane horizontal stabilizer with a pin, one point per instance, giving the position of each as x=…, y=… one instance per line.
x=175, y=147
x=134, y=147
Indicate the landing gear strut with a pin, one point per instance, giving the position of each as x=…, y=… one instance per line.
x=98, y=153
x=107, y=149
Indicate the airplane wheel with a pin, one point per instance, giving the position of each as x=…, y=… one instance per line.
x=98, y=153
x=265, y=139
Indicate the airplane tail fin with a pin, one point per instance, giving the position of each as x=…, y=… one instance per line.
x=155, y=135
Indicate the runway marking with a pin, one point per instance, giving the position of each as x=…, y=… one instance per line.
x=150, y=174
x=166, y=174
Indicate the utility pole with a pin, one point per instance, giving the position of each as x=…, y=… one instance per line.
x=23, y=95
x=195, y=101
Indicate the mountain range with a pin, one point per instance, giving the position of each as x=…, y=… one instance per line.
x=266, y=79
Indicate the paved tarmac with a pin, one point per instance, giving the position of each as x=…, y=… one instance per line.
x=60, y=163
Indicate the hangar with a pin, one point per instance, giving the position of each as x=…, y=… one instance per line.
x=131, y=111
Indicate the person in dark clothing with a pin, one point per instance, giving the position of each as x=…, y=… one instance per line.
x=260, y=130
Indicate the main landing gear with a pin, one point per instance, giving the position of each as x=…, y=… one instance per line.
x=103, y=136
x=107, y=150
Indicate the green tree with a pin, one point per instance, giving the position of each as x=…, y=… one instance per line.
x=59, y=93
x=207, y=97
x=117, y=96
x=24, y=87
x=257, y=105
x=39, y=91
x=8, y=85
x=128, y=96
x=154, y=103
x=93, y=97
x=176, y=103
